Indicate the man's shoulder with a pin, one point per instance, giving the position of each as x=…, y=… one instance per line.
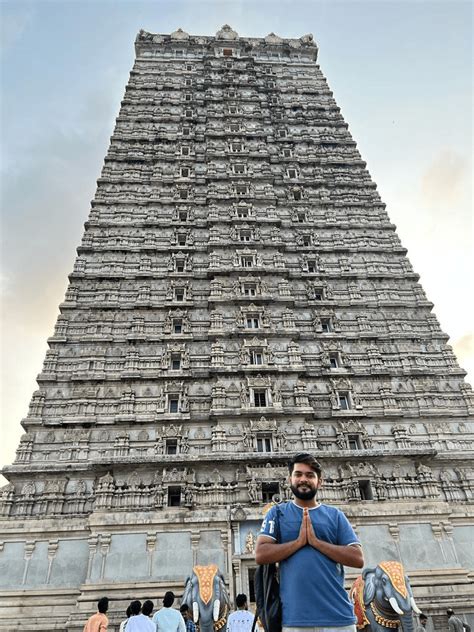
x=168, y=612
x=282, y=509
x=159, y=614
x=330, y=509
x=176, y=614
x=240, y=615
x=332, y=512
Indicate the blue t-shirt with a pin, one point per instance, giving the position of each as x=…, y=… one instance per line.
x=312, y=585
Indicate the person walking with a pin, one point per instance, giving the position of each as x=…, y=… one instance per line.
x=455, y=624
x=138, y=621
x=423, y=620
x=312, y=542
x=167, y=619
x=188, y=618
x=241, y=620
x=98, y=622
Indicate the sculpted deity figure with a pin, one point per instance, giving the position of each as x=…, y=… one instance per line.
x=353, y=491
x=184, y=443
x=281, y=440
x=247, y=438
x=81, y=488
x=159, y=445
x=285, y=488
x=341, y=441
x=381, y=488
x=397, y=471
x=276, y=394
x=252, y=486
x=184, y=402
x=250, y=543
x=424, y=470
x=159, y=495
x=188, y=496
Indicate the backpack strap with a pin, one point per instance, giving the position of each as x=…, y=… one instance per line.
x=278, y=514
x=254, y=623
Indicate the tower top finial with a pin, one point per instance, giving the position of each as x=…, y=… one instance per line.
x=226, y=33
x=179, y=34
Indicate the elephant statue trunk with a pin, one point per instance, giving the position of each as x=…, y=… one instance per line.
x=383, y=599
x=406, y=621
x=206, y=596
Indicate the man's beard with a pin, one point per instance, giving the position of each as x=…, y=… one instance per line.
x=307, y=495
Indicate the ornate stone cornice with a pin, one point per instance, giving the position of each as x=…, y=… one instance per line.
x=226, y=37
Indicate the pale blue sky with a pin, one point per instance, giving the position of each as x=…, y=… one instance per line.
x=400, y=71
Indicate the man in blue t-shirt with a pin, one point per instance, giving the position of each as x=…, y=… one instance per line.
x=312, y=542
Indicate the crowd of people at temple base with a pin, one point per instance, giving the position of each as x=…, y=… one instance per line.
x=140, y=617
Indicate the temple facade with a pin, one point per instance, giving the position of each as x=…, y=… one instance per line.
x=239, y=295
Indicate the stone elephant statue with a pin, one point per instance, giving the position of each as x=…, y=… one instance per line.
x=206, y=595
x=383, y=599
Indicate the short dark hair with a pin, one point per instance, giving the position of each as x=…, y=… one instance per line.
x=147, y=607
x=241, y=600
x=423, y=616
x=128, y=612
x=449, y=612
x=135, y=607
x=103, y=605
x=184, y=608
x=305, y=457
x=168, y=599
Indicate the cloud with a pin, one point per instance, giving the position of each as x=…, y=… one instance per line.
x=464, y=347
x=444, y=181
x=13, y=26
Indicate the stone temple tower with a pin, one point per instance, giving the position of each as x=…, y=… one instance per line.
x=239, y=294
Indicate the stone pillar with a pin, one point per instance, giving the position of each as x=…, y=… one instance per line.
x=52, y=549
x=150, y=548
x=195, y=537
x=28, y=554
x=105, y=540
x=93, y=542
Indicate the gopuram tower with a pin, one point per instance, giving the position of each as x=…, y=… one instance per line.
x=239, y=294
